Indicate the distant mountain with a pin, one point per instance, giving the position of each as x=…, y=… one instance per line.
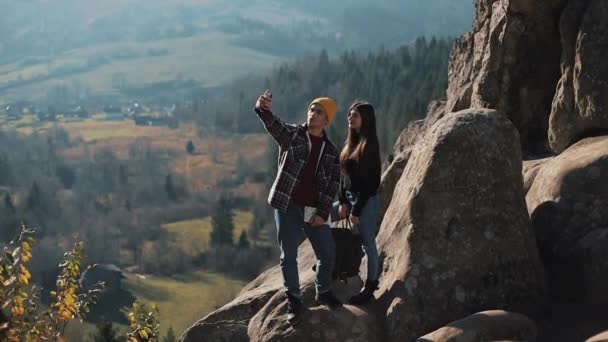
x=209, y=41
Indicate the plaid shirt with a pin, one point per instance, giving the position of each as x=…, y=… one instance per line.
x=294, y=147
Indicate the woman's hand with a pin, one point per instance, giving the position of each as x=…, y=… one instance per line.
x=316, y=220
x=354, y=219
x=343, y=211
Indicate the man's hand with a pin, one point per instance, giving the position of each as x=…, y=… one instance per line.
x=316, y=220
x=343, y=211
x=354, y=219
x=264, y=102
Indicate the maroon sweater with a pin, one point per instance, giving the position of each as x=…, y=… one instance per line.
x=305, y=193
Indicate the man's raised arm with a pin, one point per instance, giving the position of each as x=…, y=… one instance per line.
x=279, y=130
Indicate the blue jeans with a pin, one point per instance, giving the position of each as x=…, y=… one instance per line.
x=367, y=229
x=291, y=230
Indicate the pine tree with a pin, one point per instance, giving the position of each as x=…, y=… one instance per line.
x=8, y=203
x=190, y=147
x=170, y=188
x=35, y=200
x=222, y=222
x=170, y=337
x=243, y=240
x=106, y=333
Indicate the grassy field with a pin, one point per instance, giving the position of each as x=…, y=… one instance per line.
x=181, y=301
x=194, y=235
x=215, y=157
x=185, y=300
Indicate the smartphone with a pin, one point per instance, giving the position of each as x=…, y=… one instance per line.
x=268, y=93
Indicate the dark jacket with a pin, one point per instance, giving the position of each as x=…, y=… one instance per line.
x=294, y=147
x=362, y=178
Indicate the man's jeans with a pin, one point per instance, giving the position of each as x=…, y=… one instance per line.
x=291, y=230
x=367, y=229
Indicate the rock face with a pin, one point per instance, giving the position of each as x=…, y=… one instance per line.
x=603, y=337
x=222, y=331
x=494, y=325
x=580, y=105
x=260, y=310
x=567, y=201
x=530, y=170
x=519, y=52
x=389, y=180
x=250, y=300
x=416, y=130
x=318, y=323
x=457, y=238
x=507, y=62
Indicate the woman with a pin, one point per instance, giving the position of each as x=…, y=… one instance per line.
x=360, y=165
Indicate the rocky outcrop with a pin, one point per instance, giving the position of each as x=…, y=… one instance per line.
x=530, y=169
x=456, y=237
x=507, y=63
x=389, y=180
x=591, y=253
x=318, y=323
x=602, y=337
x=580, y=105
x=494, y=325
x=540, y=62
x=222, y=331
x=251, y=299
x=567, y=201
x=415, y=130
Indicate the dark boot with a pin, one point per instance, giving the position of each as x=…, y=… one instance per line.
x=294, y=308
x=328, y=299
x=367, y=293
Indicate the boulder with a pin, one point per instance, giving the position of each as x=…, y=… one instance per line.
x=252, y=298
x=221, y=331
x=580, y=104
x=591, y=255
x=415, y=130
x=530, y=169
x=389, y=180
x=507, y=62
x=493, y=325
x=456, y=237
x=318, y=323
x=568, y=200
x=601, y=337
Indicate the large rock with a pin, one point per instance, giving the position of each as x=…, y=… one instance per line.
x=252, y=298
x=530, y=170
x=494, y=325
x=568, y=200
x=456, y=237
x=318, y=323
x=222, y=331
x=389, y=180
x=591, y=252
x=267, y=290
x=602, y=337
x=510, y=62
x=416, y=130
x=580, y=105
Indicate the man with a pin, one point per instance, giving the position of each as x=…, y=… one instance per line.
x=307, y=181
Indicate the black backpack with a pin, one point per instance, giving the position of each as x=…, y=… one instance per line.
x=349, y=252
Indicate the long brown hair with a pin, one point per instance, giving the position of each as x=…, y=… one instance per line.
x=356, y=143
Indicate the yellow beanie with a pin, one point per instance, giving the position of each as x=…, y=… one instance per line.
x=328, y=104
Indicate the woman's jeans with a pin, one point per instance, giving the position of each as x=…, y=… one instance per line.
x=367, y=229
x=291, y=230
